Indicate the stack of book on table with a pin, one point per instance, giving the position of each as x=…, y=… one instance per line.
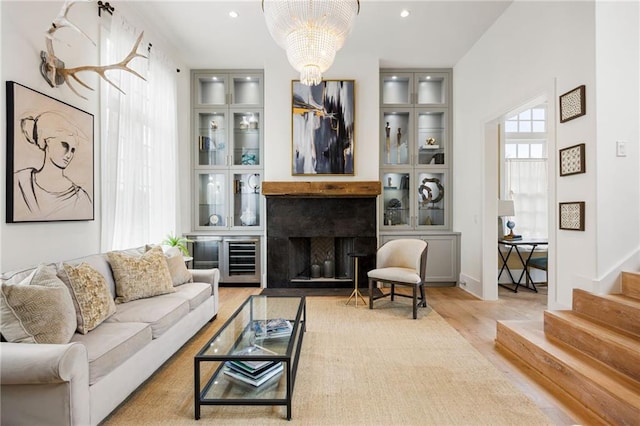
x=255, y=373
x=272, y=328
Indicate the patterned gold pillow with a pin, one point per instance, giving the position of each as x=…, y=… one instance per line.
x=90, y=293
x=142, y=276
x=37, y=309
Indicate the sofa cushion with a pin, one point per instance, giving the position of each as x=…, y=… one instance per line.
x=194, y=293
x=177, y=268
x=37, y=309
x=111, y=344
x=161, y=312
x=138, y=277
x=100, y=263
x=91, y=296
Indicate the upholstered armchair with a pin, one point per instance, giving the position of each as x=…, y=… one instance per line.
x=401, y=262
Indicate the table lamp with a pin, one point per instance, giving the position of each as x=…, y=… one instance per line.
x=506, y=209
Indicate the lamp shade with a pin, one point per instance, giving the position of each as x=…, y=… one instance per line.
x=506, y=208
x=311, y=32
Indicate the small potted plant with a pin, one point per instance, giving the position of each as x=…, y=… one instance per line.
x=176, y=241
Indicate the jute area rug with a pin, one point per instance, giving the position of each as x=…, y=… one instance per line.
x=357, y=367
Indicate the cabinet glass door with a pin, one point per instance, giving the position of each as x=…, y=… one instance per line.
x=246, y=90
x=432, y=190
x=246, y=199
x=396, y=200
x=212, y=208
x=210, y=89
x=396, y=89
x=431, y=89
x=431, y=136
x=246, y=138
x=211, y=138
x=396, y=137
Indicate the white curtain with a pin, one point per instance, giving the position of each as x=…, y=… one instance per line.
x=139, y=143
x=527, y=187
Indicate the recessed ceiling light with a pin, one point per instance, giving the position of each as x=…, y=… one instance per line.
x=404, y=13
x=233, y=14
x=428, y=77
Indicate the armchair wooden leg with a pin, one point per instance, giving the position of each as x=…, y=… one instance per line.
x=370, y=293
x=424, y=298
x=415, y=301
x=393, y=291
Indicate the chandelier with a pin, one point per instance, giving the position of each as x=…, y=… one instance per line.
x=311, y=31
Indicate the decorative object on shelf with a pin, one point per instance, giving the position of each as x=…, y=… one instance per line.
x=214, y=125
x=398, y=143
x=387, y=130
x=573, y=104
x=248, y=217
x=572, y=160
x=248, y=158
x=431, y=142
x=389, y=183
x=55, y=72
x=394, y=203
x=253, y=122
x=214, y=220
x=46, y=137
x=426, y=192
x=315, y=269
x=244, y=123
x=323, y=128
x=328, y=267
x=572, y=215
x=311, y=32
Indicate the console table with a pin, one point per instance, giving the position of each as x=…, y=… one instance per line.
x=517, y=245
x=244, y=330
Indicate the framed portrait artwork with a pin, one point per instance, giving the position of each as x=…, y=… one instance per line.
x=323, y=128
x=572, y=216
x=572, y=160
x=573, y=104
x=49, y=158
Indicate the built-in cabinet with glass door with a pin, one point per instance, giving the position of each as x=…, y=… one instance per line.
x=227, y=146
x=415, y=163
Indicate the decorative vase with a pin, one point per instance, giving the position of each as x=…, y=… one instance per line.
x=248, y=218
x=244, y=124
x=328, y=268
x=315, y=271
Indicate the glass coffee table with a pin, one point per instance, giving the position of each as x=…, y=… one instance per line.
x=253, y=358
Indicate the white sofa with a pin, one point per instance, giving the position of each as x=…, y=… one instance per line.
x=83, y=381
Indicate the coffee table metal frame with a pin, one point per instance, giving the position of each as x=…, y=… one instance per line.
x=238, y=333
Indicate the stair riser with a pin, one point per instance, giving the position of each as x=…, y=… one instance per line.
x=623, y=358
x=589, y=393
x=631, y=284
x=607, y=311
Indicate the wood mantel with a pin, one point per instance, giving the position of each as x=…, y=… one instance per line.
x=322, y=189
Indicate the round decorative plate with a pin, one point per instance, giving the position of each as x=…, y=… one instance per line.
x=214, y=219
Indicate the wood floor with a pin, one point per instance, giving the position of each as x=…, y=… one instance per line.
x=476, y=321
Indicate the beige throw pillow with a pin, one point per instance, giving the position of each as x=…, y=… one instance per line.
x=177, y=268
x=91, y=296
x=142, y=276
x=38, y=309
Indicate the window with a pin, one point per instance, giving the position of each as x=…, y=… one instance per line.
x=139, y=144
x=524, y=170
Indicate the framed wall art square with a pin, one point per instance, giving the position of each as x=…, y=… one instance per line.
x=323, y=128
x=573, y=104
x=49, y=158
x=572, y=216
x=572, y=160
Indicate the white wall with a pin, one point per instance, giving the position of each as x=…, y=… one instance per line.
x=23, y=28
x=546, y=49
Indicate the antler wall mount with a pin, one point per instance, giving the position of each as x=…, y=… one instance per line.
x=55, y=72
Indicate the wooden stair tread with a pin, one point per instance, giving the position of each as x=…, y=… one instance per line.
x=599, y=329
x=613, y=382
x=631, y=284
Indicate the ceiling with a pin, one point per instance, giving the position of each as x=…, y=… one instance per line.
x=436, y=34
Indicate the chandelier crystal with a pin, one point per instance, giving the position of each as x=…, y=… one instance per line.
x=311, y=32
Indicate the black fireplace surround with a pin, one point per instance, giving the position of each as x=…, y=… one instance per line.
x=350, y=221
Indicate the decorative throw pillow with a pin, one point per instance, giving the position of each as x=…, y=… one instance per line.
x=142, y=276
x=177, y=268
x=38, y=309
x=91, y=296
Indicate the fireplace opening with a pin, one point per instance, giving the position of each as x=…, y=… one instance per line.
x=320, y=259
